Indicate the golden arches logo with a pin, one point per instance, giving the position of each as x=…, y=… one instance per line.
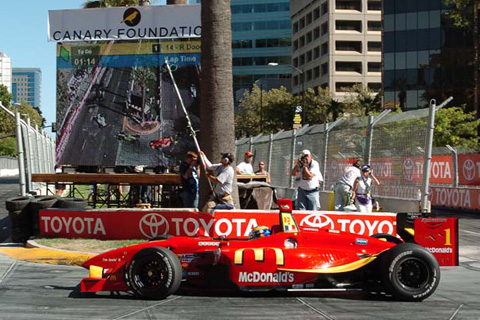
x=259, y=255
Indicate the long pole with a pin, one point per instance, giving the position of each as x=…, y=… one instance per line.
x=189, y=123
x=21, y=160
x=303, y=97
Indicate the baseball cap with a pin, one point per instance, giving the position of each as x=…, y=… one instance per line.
x=261, y=162
x=249, y=153
x=306, y=152
x=366, y=168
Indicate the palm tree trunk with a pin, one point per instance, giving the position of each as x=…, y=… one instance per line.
x=217, y=126
x=176, y=1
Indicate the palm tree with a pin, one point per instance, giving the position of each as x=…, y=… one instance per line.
x=216, y=100
x=113, y=3
x=142, y=76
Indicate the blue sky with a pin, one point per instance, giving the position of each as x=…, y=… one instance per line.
x=24, y=39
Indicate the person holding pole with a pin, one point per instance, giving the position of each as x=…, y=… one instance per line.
x=223, y=179
x=189, y=172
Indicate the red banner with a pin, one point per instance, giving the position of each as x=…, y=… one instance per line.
x=440, y=237
x=121, y=224
x=469, y=169
x=455, y=197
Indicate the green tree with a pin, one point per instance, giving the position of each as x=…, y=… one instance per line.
x=143, y=76
x=361, y=101
x=455, y=127
x=111, y=3
x=5, y=96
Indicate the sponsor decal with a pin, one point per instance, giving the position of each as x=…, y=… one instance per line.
x=469, y=170
x=318, y=220
x=361, y=241
x=131, y=17
x=208, y=244
x=266, y=277
x=78, y=225
x=153, y=225
x=440, y=250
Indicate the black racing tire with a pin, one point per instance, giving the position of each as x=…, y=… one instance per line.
x=387, y=237
x=154, y=273
x=38, y=204
x=409, y=272
x=17, y=203
x=73, y=203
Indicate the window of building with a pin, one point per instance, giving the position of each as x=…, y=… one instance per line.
x=316, y=53
x=374, y=46
x=295, y=27
x=242, y=44
x=324, y=68
x=355, y=46
x=316, y=13
x=302, y=23
x=348, y=66
x=309, y=37
x=374, y=5
x=295, y=62
x=324, y=48
x=295, y=80
x=308, y=18
x=273, y=43
x=309, y=75
x=348, y=25
x=302, y=59
x=309, y=55
x=349, y=5
x=374, y=67
x=374, y=26
x=375, y=86
x=302, y=41
x=344, y=86
x=324, y=28
x=295, y=45
x=324, y=8
x=316, y=33
x=316, y=72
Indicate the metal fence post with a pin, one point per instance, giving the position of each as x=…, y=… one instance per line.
x=250, y=143
x=29, y=157
x=270, y=148
x=39, y=149
x=325, y=149
x=21, y=160
x=292, y=158
x=455, y=164
x=427, y=161
x=45, y=150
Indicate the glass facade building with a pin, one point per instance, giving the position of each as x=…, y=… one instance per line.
x=26, y=86
x=424, y=55
x=261, y=34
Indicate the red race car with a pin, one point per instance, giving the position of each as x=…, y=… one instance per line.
x=281, y=258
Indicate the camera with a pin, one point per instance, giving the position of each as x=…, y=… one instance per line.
x=304, y=158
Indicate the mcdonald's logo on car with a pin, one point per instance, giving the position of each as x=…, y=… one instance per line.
x=259, y=255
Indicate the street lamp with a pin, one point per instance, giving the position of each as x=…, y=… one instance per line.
x=302, y=76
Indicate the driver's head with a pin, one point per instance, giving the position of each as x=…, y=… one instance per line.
x=259, y=232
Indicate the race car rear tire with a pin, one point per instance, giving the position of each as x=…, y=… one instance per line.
x=388, y=237
x=409, y=272
x=154, y=273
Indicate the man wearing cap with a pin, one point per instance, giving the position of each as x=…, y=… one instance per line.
x=245, y=167
x=189, y=177
x=308, y=177
x=223, y=180
x=362, y=190
x=344, y=187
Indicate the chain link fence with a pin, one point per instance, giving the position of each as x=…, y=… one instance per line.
x=393, y=144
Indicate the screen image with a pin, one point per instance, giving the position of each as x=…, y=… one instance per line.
x=117, y=104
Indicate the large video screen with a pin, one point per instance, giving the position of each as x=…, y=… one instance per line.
x=117, y=105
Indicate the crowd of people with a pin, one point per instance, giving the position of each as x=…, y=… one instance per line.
x=353, y=191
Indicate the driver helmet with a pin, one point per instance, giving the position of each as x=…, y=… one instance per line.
x=259, y=232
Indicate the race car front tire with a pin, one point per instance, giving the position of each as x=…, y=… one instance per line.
x=154, y=273
x=409, y=272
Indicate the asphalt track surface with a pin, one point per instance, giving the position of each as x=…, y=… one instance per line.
x=40, y=291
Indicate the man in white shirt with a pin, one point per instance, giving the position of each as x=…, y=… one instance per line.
x=309, y=179
x=223, y=180
x=344, y=187
x=246, y=167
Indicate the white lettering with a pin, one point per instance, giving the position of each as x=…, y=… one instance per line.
x=88, y=221
x=59, y=227
x=99, y=227
x=74, y=225
x=219, y=224
x=207, y=226
x=177, y=225
x=267, y=277
x=251, y=224
x=360, y=223
x=67, y=223
x=46, y=220
x=195, y=227
x=343, y=223
x=238, y=222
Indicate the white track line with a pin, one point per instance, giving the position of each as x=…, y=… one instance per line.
x=144, y=309
x=320, y=312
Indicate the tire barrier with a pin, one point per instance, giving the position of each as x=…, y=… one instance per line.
x=73, y=203
x=20, y=218
x=38, y=204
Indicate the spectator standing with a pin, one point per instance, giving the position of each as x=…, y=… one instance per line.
x=344, y=187
x=362, y=190
x=261, y=171
x=309, y=179
x=245, y=167
x=189, y=172
x=223, y=179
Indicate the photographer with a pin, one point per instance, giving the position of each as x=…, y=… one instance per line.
x=308, y=176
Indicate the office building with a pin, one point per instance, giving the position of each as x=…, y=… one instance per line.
x=336, y=44
x=6, y=71
x=261, y=34
x=425, y=56
x=26, y=86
